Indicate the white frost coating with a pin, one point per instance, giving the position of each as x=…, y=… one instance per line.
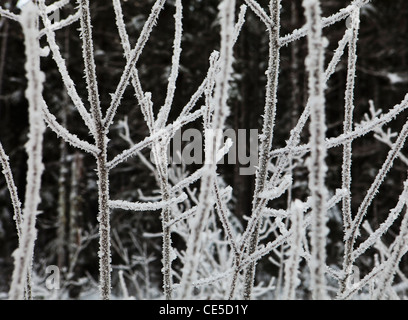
x=189, y=180
x=359, y=131
x=393, y=215
x=124, y=38
x=276, y=192
x=133, y=58
x=62, y=23
x=392, y=154
x=240, y=22
x=170, y=129
x=338, y=53
x=8, y=14
x=145, y=206
x=348, y=116
x=24, y=254
x=222, y=211
x=399, y=248
x=342, y=14
x=224, y=150
x=147, y=110
x=62, y=68
x=316, y=164
x=347, y=147
x=227, y=10
x=171, y=87
x=266, y=138
x=292, y=264
x=65, y=134
x=57, y=5
x=263, y=16
x=8, y=175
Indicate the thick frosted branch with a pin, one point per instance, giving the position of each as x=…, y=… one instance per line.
x=316, y=164
x=57, y=5
x=292, y=264
x=23, y=256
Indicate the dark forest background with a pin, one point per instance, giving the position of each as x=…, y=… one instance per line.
x=69, y=203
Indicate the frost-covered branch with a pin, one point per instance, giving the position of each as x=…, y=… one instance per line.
x=384, y=227
x=133, y=58
x=145, y=206
x=57, y=5
x=23, y=256
x=62, y=68
x=171, y=87
x=62, y=23
x=212, y=141
x=101, y=141
x=266, y=138
x=316, y=164
x=341, y=15
x=140, y=95
x=347, y=128
x=8, y=175
x=292, y=264
x=359, y=131
x=90, y=67
x=65, y=134
x=9, y=15
x=263, y=16
x=378, y=180
x=399, y=248
x=171, y=129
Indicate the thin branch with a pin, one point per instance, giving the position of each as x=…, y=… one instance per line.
x=341, y=15
x=134, y=57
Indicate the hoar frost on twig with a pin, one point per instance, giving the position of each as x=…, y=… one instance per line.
x=23, y=256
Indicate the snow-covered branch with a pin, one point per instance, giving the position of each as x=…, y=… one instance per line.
x=145, y=206
x=23, y=256
x=341, y=15
x=316, y=164
x=9, y=15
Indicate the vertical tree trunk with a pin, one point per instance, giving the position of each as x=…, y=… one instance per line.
x=317, y=165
